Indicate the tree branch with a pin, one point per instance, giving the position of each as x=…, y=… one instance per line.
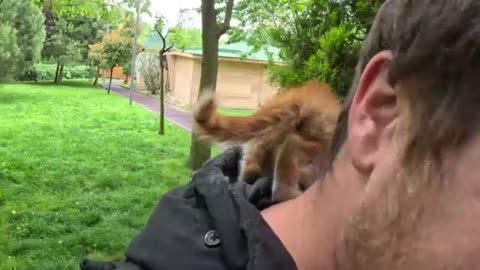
x=223, y=28
x=275, y=24
x=164, y=42
x=169, y=48
x=295, y=16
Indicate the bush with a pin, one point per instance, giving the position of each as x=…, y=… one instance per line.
x=333, y=61
x=149, y=67
x=46, y=72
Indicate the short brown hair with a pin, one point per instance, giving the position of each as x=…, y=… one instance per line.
x=436, y=58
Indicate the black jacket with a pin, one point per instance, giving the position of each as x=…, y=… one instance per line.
x=212, y=223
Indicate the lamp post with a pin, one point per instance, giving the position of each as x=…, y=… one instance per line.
x=134, y=52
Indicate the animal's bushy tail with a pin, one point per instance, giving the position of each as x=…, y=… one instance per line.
x=272, y=119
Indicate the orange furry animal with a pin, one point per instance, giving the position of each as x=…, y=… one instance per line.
x=287, y=138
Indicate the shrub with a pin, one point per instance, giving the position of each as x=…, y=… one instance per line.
x=46, y=72
x=333, y=61
x=149, y=67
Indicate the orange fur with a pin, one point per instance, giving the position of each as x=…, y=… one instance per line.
x=295, y=125
x=299, y=162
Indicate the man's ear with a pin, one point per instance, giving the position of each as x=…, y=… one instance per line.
x=373, y=108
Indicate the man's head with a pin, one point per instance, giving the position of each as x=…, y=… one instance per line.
x=411, y=131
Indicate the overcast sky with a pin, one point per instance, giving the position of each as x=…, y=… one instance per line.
x=169, y=8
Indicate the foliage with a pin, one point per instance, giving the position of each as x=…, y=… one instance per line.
x=86, y=31
x=116, y=15
x=163, y=33
x=160, y=24
x=143, y=8
x=335, y=59
x=21, y=36
x=73, y=8
x=127, y=27
x=144, y=31
x=317, y=39
x=149, y=68
x=364, y=11
x=46, y=72
x=261, y=21
x=184, y=38
x=68, y=38
x=127, y=69
x=80, y=173
x=117, y=49
x=62, y=49
x=9, y=51
x=126, y=18
x=96, y=55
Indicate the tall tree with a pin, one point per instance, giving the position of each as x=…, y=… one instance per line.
x=211, y=33
x=160, y=26
x=68, y=38
x=116, y=51
x=21, y=36
x=60, y=47
x=86, y=31
x=317, y=39
x=9, y=51
x=97, y=59
x=73, y=8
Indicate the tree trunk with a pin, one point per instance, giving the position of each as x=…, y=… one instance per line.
x=56, y=72
x=162, y=95
x=125, y=81
x=167, y=80
x=200, y=151
x=95, y=82
x=60, y=74
x=110, y=83
x=90, y=74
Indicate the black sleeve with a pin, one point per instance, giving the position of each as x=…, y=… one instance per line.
x=174, y=222
x=99, y=265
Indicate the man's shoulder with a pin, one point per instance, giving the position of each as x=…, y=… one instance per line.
x=210, y=223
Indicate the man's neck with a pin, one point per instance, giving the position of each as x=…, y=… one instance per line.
x=310, y=225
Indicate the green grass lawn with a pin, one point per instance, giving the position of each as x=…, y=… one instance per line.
x=80, y=173
x=235, y=112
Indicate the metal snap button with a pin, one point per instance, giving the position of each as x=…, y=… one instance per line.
x=212, y=239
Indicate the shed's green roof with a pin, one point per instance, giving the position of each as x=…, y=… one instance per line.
x=239, y=50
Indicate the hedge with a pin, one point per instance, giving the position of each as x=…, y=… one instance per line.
x=46, y=72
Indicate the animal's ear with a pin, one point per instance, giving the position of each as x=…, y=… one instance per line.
x=373, y=108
